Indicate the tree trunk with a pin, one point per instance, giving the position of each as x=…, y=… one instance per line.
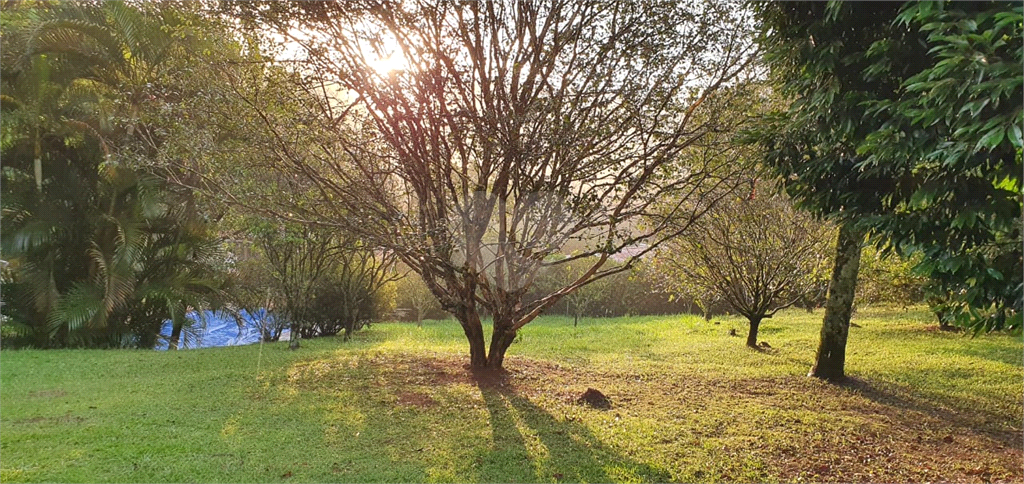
x=501, y=339
x=37, y=164
x=755, y=322
x=175, y=337
x=293, y=339
x=831, y=359
x=473, y=328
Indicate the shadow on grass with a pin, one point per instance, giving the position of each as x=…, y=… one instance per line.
x=543, y=447
x=1007, y=356
x=951, y=411
x=385, y=417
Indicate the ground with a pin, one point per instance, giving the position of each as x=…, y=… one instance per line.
x=688, y=403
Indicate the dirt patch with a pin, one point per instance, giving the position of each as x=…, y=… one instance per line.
x=47, y=394
x=449, y=370
x=415, y=399
x=799, y=428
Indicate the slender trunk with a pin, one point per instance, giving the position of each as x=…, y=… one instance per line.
x=755, y=322
x=37, y=165
x=293, y=340
x=831, y=359
x=175, y=337
x=419, y=317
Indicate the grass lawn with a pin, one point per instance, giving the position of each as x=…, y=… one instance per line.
x=690, y=403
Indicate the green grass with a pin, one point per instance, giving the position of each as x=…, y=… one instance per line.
x=690, y=403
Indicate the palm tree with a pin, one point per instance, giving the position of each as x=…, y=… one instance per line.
x=101, y=253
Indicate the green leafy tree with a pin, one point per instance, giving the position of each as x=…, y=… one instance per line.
x=861, y=144
x=323, y=282
x=413, y=293
x=300, y=259
x=102, y=252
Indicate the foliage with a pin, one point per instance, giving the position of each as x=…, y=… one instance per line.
x=413, y=294
x=101, y=252
x=755, y=253
x=890, y=279
x=320, y=282
x=635, y=292
x=905, y=119
x=587, y=300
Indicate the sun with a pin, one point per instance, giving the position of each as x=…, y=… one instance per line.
x=392, y=63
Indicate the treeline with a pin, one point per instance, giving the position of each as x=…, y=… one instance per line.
x=104, y=240
x=165, y=158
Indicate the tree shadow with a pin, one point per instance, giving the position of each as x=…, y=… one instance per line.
x=953, y=412
x=550, y=447
x=419, y=419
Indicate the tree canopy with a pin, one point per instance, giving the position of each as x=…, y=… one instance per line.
x=905, y=121
x=516, y=130
x=754, y=252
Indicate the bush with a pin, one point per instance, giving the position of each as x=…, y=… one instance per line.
x=889, y=279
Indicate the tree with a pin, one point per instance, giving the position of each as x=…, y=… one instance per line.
x=959, y=120
x=354, y=289
x=300, y=258
x=756, y=253
x=586, y=300
x=515, y=130
x=855, y=73
x=412, y=292
x=102, y=253
x=324, y=282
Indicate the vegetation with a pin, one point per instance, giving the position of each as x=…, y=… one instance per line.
x=904, y=122
x=498, y=163
x=396, y=404
x=102, y=253
x=755, y=253
x=911, y=169
x=514, y=131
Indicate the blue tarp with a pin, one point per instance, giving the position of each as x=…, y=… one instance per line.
x=219, y=329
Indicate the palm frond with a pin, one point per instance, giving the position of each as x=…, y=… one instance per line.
x=33, y=234
x=81, y=307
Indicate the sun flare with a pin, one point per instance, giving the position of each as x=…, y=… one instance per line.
x=392, y=63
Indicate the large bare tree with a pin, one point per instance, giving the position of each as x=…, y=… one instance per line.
x=515, y=130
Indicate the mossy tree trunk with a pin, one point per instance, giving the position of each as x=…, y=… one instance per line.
x=831, y=358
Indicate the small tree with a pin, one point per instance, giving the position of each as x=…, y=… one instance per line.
x=586, y=300
x=756, y=253
x=412, y=292
x=358, y=282
x=299, y=258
